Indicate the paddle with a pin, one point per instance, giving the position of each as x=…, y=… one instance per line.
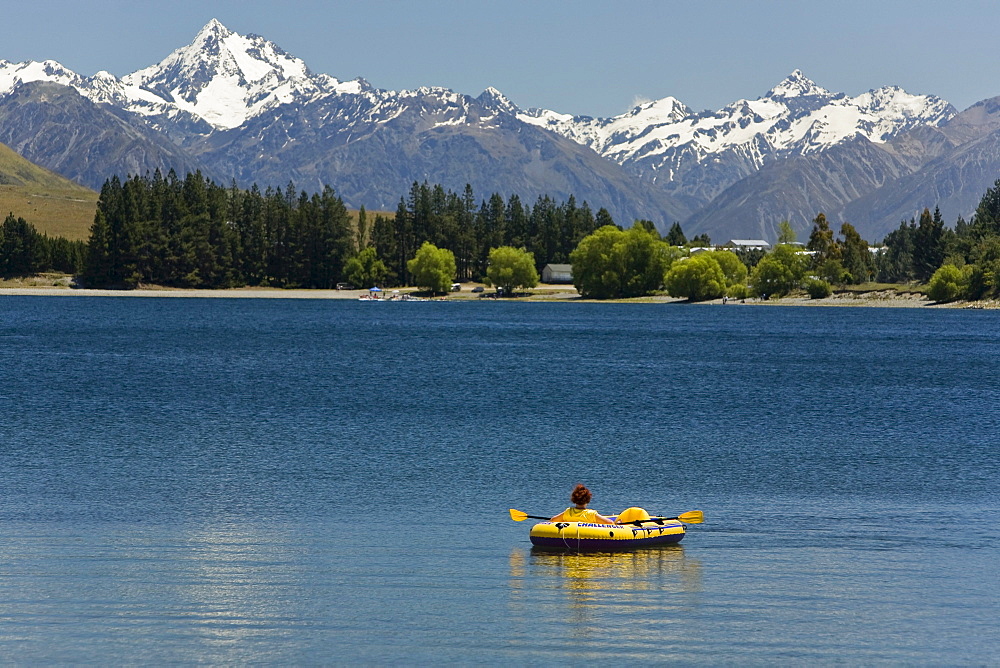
x=690, y=517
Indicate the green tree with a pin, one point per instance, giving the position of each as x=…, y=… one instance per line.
x=780, y=272
x=786, y=235
x=383, y=238
x=511, y=268
x=361, y=233
x=832, y=271
x=365, y=269
x=732, y=268
x=432, y=268
x=984, y=278
x=611, y=263
x=856, y=257
x=644, y=259
x=697, y=278
x=675, y=237
x=821, y=240
x=949, y=283
x=649, y=226
x=895, y=264
x=986, y=221
x=596, y=271
x=818, y=289
x=796, y=261
x=604, y=218
x=22, y=248
x=115, y=260
x=929, y=247
x=770, y=277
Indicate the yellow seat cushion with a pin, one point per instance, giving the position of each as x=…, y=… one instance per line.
x=632, y=514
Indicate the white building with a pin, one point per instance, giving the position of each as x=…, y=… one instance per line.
x=747, y=244
x=557, y=273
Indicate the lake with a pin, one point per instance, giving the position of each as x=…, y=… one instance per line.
x=233, y=481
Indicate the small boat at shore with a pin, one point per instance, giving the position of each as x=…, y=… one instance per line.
x=635, y=529
x=375, y=295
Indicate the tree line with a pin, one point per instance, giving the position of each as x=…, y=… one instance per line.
x=195, y=233
x=24, y=251
x=959, y=262
x=547, y=229
x=956, y=263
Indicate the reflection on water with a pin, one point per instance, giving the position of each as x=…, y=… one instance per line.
x=220, y=589
x=635, y=570
x=588, y=596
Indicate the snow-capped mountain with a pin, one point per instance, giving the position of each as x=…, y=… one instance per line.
x=664, y=140
x=242, y=108
x=221, y=77
x=239, y=107
x=226, y=78
x=12, y=74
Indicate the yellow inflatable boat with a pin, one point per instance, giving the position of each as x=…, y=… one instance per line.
x=635, y=529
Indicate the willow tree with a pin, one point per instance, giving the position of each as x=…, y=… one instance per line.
x=432, y=268
x=611, y=263
x=511, y=268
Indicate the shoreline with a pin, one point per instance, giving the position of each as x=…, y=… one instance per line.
x=58, y=285
x=543, y=293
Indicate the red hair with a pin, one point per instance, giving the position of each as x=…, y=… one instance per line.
x=580, y=496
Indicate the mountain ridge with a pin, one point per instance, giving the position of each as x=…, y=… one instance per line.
x=240, y=107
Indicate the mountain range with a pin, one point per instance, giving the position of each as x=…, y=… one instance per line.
x=240, y=108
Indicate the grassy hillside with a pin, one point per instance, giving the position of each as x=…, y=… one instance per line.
x=58, y=206
x=53, y=204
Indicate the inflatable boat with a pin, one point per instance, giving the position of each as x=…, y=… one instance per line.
x=586, y=537
x=634, y=529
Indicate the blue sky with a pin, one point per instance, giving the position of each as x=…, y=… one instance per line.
x=582, y=57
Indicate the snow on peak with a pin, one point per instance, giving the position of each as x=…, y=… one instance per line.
x=12, y=74
x=494, y=100
x=226, y=79
x=797, y=84
x=213, y=27
x=796, y=116
x=222, y=77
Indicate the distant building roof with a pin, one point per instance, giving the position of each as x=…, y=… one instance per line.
x=557, y=273
x=747, y=243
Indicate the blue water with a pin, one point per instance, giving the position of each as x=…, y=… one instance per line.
x=315, y=482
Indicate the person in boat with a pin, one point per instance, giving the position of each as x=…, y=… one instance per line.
x=580, y=513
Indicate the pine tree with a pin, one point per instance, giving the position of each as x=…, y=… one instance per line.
x=384, y=243
x=361, y=232
x=821, y=240
x=986, y=221
x=928, y=245
x=896, y=263
x=403, y=243
x=675, y=237
x=22, y=249
x=583, y=223
x=857, y=259
x=602, y=218
x=97, y=267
